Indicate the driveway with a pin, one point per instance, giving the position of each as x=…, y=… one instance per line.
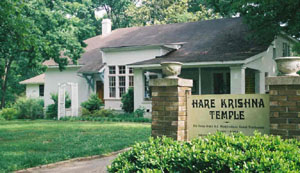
x=81, y=165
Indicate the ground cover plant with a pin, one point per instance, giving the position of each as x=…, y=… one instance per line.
x=27, y=143
x=214, y=153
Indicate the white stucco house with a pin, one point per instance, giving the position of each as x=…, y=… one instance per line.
x=35, y=86
x=216, y=54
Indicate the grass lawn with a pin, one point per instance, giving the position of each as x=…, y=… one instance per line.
x=25, y=144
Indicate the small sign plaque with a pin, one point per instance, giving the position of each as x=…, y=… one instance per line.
x=227, y=113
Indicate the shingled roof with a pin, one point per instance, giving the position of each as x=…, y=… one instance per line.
x=39, y=79
x=203, y=41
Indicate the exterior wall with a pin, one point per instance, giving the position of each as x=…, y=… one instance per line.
x=265, y=63
x=124, y=58
x=33, y=91
x=53, y=76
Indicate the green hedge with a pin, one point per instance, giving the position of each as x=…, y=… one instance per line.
x=214, y=153
x=106, y=119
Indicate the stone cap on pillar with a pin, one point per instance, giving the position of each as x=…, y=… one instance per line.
x=171, y=82
x=283, y=80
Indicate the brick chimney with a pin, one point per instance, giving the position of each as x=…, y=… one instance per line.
x=106, y=27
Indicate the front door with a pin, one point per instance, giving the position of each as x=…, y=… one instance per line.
x=221, y=83
x=100, y=90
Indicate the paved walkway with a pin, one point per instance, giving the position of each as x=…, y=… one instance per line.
x=97, y=165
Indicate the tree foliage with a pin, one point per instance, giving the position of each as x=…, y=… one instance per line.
x=115, y=10
x=32, y=31
x=267, y=18
x=167, y=11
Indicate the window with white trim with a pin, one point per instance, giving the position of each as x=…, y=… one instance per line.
x=120, y=79
x=122, y=85
x=130, y=70
x=131, y=81
x=122, y=69
x=131, y=77
x=112, y=81
x=112, y=86
x=112, y=69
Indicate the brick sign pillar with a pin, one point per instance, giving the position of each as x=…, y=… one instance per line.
x=169, y=109
x=284, y=106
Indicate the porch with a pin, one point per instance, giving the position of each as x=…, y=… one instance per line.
x=206, y=80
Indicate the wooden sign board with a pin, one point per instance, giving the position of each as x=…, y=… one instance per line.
x=227, y=113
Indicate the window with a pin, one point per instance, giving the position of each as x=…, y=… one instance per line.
x=286, y=50
x=147, y=77
x=112, y=69
x=122, y=85
x=130, y=70
x=131, y=81
x=122, y=69
x=112, y=86
x=41, y=90
x=120, y=79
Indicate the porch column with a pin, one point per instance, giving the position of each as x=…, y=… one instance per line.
x=262, y=83
x=237, y=80
x=138, y=87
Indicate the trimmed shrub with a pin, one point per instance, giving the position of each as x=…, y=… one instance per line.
x=213, y=153
x=93, y=103
x=8, y=113
x=29, y=108
x=127, y=101
x=51, y=111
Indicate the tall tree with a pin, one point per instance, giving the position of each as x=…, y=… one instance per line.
x=115, y=10
x=167, y=11
x=266, y=17
x=32, y=31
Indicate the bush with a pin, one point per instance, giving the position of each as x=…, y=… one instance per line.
x=8, y=113
x=127, y=101
x=92, y=104
x=103, y=113
x=29, y=108
x=51, y=111
x=85, y=112
x=139, y=112
x=214, y=153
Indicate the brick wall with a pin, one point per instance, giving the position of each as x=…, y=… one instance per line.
x=169, y=111
x=284, y=108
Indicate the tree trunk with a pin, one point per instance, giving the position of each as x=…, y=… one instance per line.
x=4, y=85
